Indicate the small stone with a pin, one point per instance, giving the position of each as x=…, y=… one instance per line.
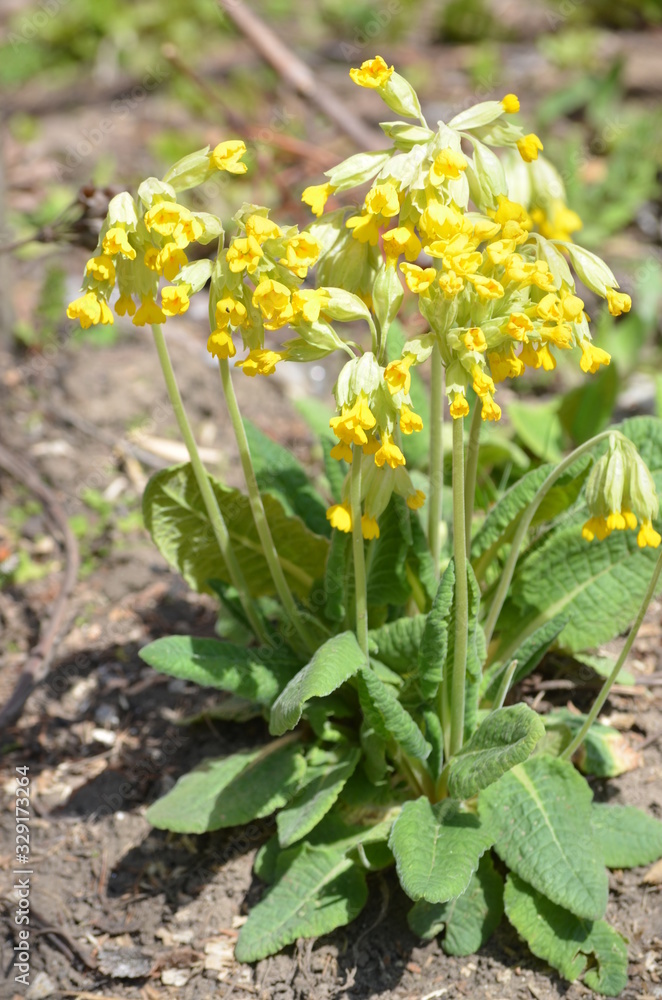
x=41, y=988
x=175, y=977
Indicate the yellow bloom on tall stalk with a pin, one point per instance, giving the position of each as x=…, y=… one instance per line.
x=90, y=311
x=220, y=344
x=244, y=254
x=101, y=268
x=447, y=165
x=116, y=241
x=621, y=495
x=175, y=299
x=301, y=252
x=316, y=196
x=374, y=73
x=397, y=374
x=260, y=362
x=529, y=147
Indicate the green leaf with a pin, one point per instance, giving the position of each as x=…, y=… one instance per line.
x=601, y=585
x=397, y=643
x=255, y=674
x=387, y=573
x=567, y=942
x=230, y=791
x=469, y=919
x=420, y=562
x=587, y=409
x=507, y=737
x=437, y=848
x=539, y=428
x=323, y=784
x=434, y=641
x=278, y=472
x=385, y=714
x=335, y=577
x=321, y=890
x=626, y=836
x=539, y=814
x=177, y=520
x=605, y=752
x=333, y=663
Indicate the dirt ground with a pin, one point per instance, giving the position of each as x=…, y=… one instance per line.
x=121, y=910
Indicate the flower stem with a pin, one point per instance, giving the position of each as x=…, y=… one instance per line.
x=508, y=571
x=472, y=471
x=218, y=524
x=606, y=687
x=257, y=508
x=435, y=503
x=360, y=586
x=461, y=592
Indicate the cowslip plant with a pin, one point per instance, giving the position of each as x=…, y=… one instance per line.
x=383, y=660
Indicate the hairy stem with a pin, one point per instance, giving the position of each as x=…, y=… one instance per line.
x=218, y=524
x=508, y=571
x=606, y=687
x=257, y=509
x=461, y=591
x=472, y=471
x=435, y=503
x=360, y=586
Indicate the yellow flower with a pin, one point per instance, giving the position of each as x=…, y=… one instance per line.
x=244, y=255
x=402, y=240
x=482, y=383
x=556, y=221
x=274, y=302
x=459, y=407
x=511, y=211
x=486, y=288
x=171, y=259
x=538, y=357
x=510, y=104
x=175, y=299
x=648, y=536
x=416, y=500
x=125, y=306
x=503, y=366
x=529, y=146
x=101, y=268
x=560, y=335
x=573, y=307
x=451, y=284
x=369, y=527
x=229, y=312
x=262, y=229
x=260, y=362
x=443, y=222
x=116, y=241
x=592, y=357
x=365, y=228
x=418, y=278
x=498, y=251
x=187, y=230
x=389, y=453
x=448, y=165
x=151, y=259
x=90, y=311
x=374, y=73
x=308, y=303
x=341, y=452
x=518, y=326
x=595, y=527
x=397, y=374
x=316, y=197
x=340, y=516
x=485, y=229
x=221, y=345
x=474, y=339
x=148, y=312
x=301, y=252
x=383, y=199
x=409, y=421
x=465, y=264
x=164, y=216
x=490, y=410
x=353, y=422
x=549, y=308
x=227, y=156
x=618, y=302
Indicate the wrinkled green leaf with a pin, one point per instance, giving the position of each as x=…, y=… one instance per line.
x=539, y=814
x=387, y=573
x=434, y=641
x=507, y=737
x=323, y=784
x=437, y=848
x=626, y=836
x=397, y=643
x=384, y=713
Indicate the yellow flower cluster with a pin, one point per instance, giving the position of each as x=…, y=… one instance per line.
x=621, y=495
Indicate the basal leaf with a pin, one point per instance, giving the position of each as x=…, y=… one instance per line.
x=335, y=577
x=322, y=889
x=469, y=919
x=626, y=836
x=385, y=714
x=567, y=942
x=230, y=791
x=528, y=654
x=333, y=663
x=278, y=472
x=507, y=737
x=323, y=785
x=605, y=751
x=437, y=848
x=539, y=814
x=434, y=641
x=177, y=520
x=387, y=573
x=397, y=643
x=255, y=674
